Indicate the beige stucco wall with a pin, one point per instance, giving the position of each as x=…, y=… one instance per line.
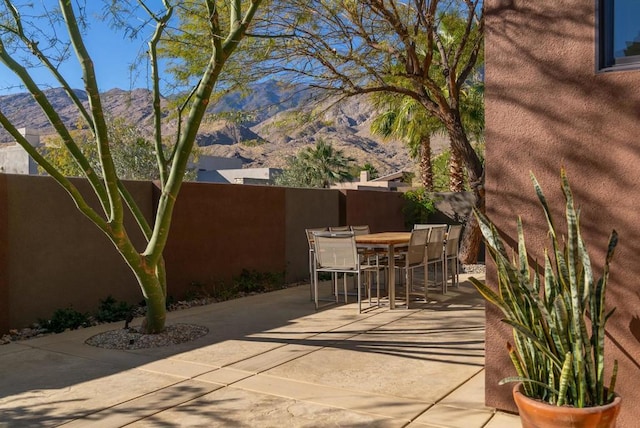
x=546, y=108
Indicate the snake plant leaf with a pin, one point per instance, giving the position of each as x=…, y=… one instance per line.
x=511, y=379
x=587, y=280
x=612, y=384
x=609, y=314
x=534, y=340
x=575, y=288
x=599, y=319
x=522, y=253
x=489, y=295
x=564, y=378
x=545, y=206
x=560, y=331
x=517, y=364
x=550, y=283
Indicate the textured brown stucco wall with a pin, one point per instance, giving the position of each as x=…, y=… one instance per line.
x=382, y=211
x=546, y=107
x=219, y=229
x=56, y=257
x=4, y=254
x=306, y=208
x=52, y=257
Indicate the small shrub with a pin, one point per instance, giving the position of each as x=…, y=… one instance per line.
x=197, y=291
x=67, y=318
x=255, y=142
x=258, y=282
x=418, y=206
x=222, y=292
x=111, y=310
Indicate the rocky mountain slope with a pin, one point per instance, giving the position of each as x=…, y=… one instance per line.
x=277, y=122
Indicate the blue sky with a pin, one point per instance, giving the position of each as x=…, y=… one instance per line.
x=112, y=54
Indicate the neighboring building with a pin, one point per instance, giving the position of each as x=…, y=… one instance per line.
x=15, y=160
x=393, y=181
x=563, y=90
x=213, y=169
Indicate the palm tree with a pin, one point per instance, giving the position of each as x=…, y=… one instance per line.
x=318, y=166
x=405, y=118
x=325, y=164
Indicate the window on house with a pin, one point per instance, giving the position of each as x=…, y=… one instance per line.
x=619, y=34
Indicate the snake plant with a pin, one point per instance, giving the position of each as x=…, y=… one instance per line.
x=556, y=311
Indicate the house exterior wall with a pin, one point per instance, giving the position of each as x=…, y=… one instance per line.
x=15, y=160
x=547, y=108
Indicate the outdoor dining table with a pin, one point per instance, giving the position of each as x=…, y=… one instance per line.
x=388, y=241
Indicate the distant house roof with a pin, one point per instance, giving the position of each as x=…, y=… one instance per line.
x=392, y=181
x=396, y=176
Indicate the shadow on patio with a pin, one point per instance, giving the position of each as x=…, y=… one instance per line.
x=268, y=360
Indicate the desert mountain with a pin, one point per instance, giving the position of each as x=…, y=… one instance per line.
x=277, y=121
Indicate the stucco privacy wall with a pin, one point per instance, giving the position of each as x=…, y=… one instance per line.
x=382, y=211
x=306, y=208
x=217, y=230
x=4, y=255
x=54, y=256
x=546, y=107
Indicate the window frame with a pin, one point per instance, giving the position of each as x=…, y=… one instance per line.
x=605, y=58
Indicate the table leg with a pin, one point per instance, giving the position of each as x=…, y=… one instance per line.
x=392, y=277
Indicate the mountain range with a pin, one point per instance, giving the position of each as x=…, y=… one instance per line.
x=262, y=127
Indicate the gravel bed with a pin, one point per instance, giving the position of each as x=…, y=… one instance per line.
x=477, y=268
x=132, y=338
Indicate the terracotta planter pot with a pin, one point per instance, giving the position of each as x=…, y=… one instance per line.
x=538, y=414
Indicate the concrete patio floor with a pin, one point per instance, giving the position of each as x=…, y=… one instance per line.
x=269, y=360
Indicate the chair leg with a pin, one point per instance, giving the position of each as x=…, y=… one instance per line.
x=344, y=285
x=426, y=283
x=409, y=279
x=457, y=269
x=359, y=283
x=444, y=277
x=311, y=274
x=445, y=272
x=315, y=288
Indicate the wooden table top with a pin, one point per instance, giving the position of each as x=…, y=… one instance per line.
x=388, y=238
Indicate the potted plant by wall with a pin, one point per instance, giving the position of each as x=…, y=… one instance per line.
x=557, y=313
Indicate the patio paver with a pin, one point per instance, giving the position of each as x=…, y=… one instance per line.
x=268, y=360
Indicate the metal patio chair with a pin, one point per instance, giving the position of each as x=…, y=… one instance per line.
x=451, y=248
x=335, y=253
x=435, y=254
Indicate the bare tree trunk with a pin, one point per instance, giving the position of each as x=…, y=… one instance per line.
x=471, y=237
x=426, y=170
x=456, y=172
